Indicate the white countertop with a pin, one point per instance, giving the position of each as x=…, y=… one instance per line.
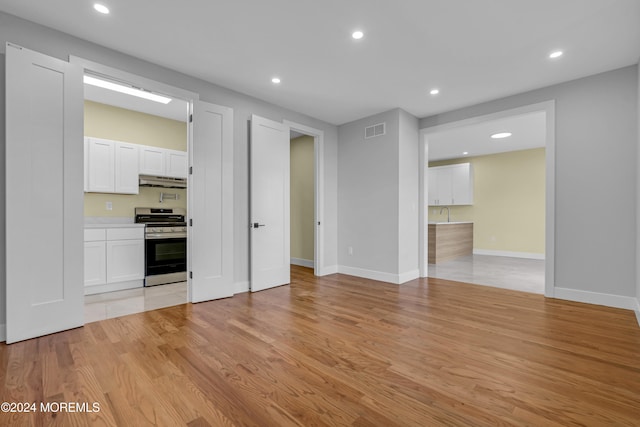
x=114, y=226
x=452, y=222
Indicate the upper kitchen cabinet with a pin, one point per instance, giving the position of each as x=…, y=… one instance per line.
x=451, y=185
x=111, y=166
x=163, y=162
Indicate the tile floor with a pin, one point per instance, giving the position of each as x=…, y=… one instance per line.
x=121, y=303
x=501, y=272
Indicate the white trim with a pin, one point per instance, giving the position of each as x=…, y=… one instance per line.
x=609, y=300
x=241, y=287
x=319, y=230
x=112, y=287
x=511, y=254
x=637, y=310
x=381, y=276
x=549, y=108
x=330, y=269
x=3, y=332
x=303, y=262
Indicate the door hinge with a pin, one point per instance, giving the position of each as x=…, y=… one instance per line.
x=318, y=222
x=190, y=222
x=190, y=170
x=191, y=275
x=190, y=118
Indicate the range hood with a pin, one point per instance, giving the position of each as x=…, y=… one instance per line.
x=162, y=181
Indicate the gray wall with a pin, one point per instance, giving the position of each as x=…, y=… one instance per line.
x=638, y=207
x=378, y=194
x=596, y=162
x=409, y=172
x=368, y=195
x=60, y=45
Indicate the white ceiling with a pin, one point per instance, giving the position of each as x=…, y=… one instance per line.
x=473, y=50
x=528, y=131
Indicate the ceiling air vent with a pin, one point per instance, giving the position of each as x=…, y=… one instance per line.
x=373, y=131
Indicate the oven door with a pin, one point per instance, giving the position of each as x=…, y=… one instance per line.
x=164, y=256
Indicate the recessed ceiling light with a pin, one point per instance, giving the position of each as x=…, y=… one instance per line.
x=357, y=35
x=501, y=135
x=556, y=54
x=464, y=153
x=434, y=91
x=101, y=8
x=275, y=80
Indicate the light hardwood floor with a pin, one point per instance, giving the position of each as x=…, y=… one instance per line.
x=340, y=350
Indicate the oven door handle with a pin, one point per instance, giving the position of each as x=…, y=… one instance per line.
x=156, y=236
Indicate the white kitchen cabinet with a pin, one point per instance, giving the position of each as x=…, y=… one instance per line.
x=126, y=169
x=101, y=165
x=450, y=185
x=113, y=259
x=152, y=161
x=111, y=166
x=163, y=162
x=125, y=260
x=176, y=164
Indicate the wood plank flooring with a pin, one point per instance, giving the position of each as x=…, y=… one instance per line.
x=340, y=350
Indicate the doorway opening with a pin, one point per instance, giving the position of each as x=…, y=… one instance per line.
x=307, y=200
x=136, y=157
x=503, y=219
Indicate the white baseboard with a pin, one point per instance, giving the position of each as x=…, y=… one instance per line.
x=112, y=287
x=528, y=255
x=331, y=269
x=241, y=287
x=379, y=275
x=3, y=332
x=637, y=310
x=303, y=262
x=609, y=300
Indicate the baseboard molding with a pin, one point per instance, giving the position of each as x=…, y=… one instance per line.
x=527, y=255
x=381, y=276
x=609, y=300
x=637, y=310
x=303, y=262
x=331, y=269
x=241, y=287
x=112, y=287
x=3, y=332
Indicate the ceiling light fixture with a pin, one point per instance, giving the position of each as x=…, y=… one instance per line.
x=101, y=8
x=501, y=135
x=464, y=153
x=275, y=80
x=556, y=54
x=434, y=91
x=126, y=90
x=357, y=35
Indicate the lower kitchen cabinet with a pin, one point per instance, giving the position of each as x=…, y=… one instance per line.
x=113, y=259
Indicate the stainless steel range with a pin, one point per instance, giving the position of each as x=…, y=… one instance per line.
x=165, y=244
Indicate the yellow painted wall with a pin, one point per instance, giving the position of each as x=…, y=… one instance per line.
x=302, y=198
x=509, y=201
x=105, y=121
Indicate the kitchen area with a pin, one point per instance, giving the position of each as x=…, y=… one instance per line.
x=135, y=204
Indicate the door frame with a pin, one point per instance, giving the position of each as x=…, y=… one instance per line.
x=319, y=228
x=158, y=87
x=548, y=107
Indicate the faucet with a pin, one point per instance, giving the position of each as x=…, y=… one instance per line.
x=448, y=216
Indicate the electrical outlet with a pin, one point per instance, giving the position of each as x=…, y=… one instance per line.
x=350, y=250
x=109, y=206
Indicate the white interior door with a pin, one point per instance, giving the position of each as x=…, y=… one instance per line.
x=270, y=222
x=211, y=197
x=44, y=194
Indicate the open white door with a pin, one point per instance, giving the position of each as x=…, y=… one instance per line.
x=270, y=227
x=211, y=195
x=44, y=194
